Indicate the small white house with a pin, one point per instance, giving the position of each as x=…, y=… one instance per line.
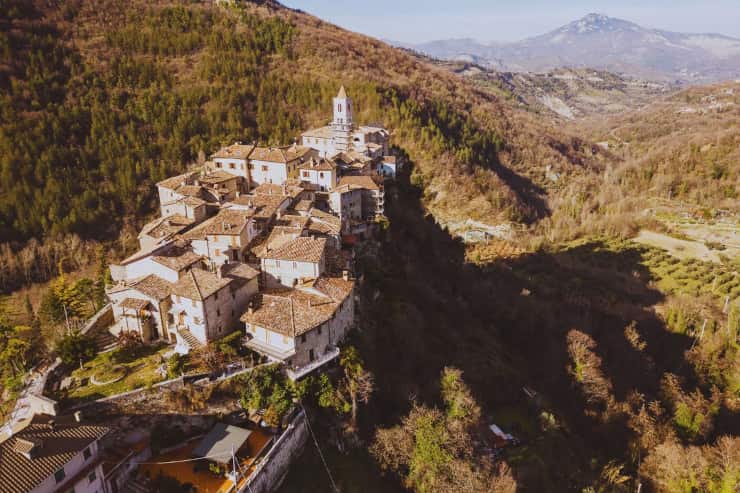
x=274, y=165
x=142, y=306
x=233, y=159
x=51, y=454
x=167, y=261
x=321, y=173
x=207, y=305
x=346, y=202
x=293, y=262
x=301, y=327
x=224, y=237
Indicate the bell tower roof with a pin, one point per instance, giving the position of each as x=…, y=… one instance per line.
x=342, y=93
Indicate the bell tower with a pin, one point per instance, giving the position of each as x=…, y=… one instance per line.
x=342, y=123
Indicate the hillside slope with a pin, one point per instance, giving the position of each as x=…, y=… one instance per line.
x=684, y=147
x=101, y=100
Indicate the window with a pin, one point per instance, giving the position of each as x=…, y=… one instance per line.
x=321, y=174
x=319, y=330
x=215, y=296
x=232, y=312
x=306, y=174
x=232, y=165
x=295, y=265
x=218, y=252
x=264, y=168
x=303, y=338
x=60, y=475
x=311, y=355
x=220, y=329
x=339, y=108
x=218, y=164
x=86, y=453
x=277, y=263
x=218, y=312
x=92, y=476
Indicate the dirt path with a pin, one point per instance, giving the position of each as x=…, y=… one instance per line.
x=678, y=248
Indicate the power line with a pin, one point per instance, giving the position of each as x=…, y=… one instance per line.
x=316, y=442
x=192, y=459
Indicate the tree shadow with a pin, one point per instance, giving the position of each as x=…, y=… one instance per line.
x=505, y=325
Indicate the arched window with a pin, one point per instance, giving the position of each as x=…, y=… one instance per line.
x=339, y=108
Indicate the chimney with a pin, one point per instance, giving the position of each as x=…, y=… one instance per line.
x=78, y=416
x=250, y=307
x=345, y=275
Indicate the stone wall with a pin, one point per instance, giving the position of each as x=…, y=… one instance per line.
x=273, y=467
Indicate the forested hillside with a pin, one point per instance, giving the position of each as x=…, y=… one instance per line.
x=100, y=100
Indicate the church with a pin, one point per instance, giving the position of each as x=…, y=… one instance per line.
x=341, y=135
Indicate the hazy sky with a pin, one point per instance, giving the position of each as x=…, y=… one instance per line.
x=509, y=20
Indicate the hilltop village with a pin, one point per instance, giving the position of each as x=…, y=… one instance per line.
x=254, y=239
x=257, y=242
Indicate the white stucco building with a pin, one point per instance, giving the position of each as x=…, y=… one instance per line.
x=322, y=173
x=293, y=262
x=342, y=135
x=274, y=165
x=207, y=305
x=224, y=237
x=301, y=327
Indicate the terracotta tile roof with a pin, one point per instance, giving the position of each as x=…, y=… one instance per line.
x=165, y=226
x=179, y=180
x=239, y=270
x=303, y=205
x=59, y=443
x=281, y=154
x=322, y=226
x=290, y=312
x=291, y=190
x=234, y=151
x=360, y=181
x=335, y=288
x=265, y=206
x=153, y=286
x=216, y=177
x=292, y=221
x=199, y=284
x=133, y=303
x=319, y=165
x=177, y=259
x=190, y=190
x=226, y=222
x=301, y=249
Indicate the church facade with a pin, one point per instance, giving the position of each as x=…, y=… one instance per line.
x=342, y=135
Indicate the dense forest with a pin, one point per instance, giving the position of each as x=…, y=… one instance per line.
x=100, y=99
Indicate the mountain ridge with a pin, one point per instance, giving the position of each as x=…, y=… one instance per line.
x=603, y=42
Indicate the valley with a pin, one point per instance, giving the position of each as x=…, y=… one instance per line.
x=557, y=252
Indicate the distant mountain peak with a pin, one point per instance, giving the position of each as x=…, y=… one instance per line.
x=594, y=23
x=606, y=43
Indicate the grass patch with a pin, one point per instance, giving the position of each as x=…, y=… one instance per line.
x=140, y=372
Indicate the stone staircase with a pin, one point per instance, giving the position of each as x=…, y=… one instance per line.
x=104, y=341
x=190, y=339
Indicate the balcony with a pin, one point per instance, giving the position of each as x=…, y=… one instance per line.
x=269, y=351
x=294, y=373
